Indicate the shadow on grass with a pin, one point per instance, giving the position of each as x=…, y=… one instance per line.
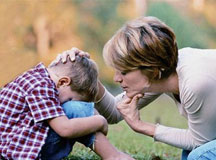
x=136, y=158
x=74, y=158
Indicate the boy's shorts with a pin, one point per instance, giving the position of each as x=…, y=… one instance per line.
x=56, y=147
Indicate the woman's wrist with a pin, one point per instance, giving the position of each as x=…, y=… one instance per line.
x=145, y=128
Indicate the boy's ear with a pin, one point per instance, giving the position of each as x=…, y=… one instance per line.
x=64, y=81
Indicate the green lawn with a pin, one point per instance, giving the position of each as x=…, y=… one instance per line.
x=139, y=146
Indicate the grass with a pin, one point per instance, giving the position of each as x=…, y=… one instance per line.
x=139, y=146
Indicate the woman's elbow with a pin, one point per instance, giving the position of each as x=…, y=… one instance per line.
x=193, y=143
x=114, y=120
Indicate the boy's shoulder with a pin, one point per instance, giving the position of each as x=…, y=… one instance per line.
x=27, y=81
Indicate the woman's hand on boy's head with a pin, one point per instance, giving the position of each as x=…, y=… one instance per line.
x=72, y=53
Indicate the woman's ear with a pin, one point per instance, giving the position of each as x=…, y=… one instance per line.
x=64, y=81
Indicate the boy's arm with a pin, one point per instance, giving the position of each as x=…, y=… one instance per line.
x=78, y=127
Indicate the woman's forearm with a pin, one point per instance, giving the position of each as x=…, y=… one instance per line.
x=106, y=105
x=101, y=92
x=181, y=138
x=145, y=128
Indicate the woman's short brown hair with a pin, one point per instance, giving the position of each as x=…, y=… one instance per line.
x=145, y=43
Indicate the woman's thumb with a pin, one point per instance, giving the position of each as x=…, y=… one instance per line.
x=135, y=99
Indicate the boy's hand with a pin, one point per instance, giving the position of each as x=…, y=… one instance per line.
x=72, y=53
x=104, y=124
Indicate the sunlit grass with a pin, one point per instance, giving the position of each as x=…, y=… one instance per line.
x=139, y=146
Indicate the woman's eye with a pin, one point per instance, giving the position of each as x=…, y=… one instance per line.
x=123, y=73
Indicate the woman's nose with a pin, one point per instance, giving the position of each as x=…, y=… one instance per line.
x=117, y=78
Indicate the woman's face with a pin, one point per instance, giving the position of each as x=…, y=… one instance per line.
x=133, y=82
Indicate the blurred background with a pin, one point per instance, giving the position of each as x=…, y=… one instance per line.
x=37, y=30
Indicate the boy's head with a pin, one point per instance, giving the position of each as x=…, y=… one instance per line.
x=75, y=80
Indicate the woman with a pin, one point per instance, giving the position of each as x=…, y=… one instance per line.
x=147, y=63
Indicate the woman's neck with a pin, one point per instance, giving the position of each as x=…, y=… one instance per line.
x=167, y=85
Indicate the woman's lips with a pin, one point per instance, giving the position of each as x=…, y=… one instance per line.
x=124, y=88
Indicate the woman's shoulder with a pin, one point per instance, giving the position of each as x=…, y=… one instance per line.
x=186, y=50
x=196, y=62
x=196, y=52
x=195, y=70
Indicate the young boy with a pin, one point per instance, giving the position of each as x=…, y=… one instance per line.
x=34, y=125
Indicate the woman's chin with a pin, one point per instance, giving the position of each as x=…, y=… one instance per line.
x=131, y=95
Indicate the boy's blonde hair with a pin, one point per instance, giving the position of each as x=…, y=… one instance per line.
x=84, y=76
x=145, y=43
